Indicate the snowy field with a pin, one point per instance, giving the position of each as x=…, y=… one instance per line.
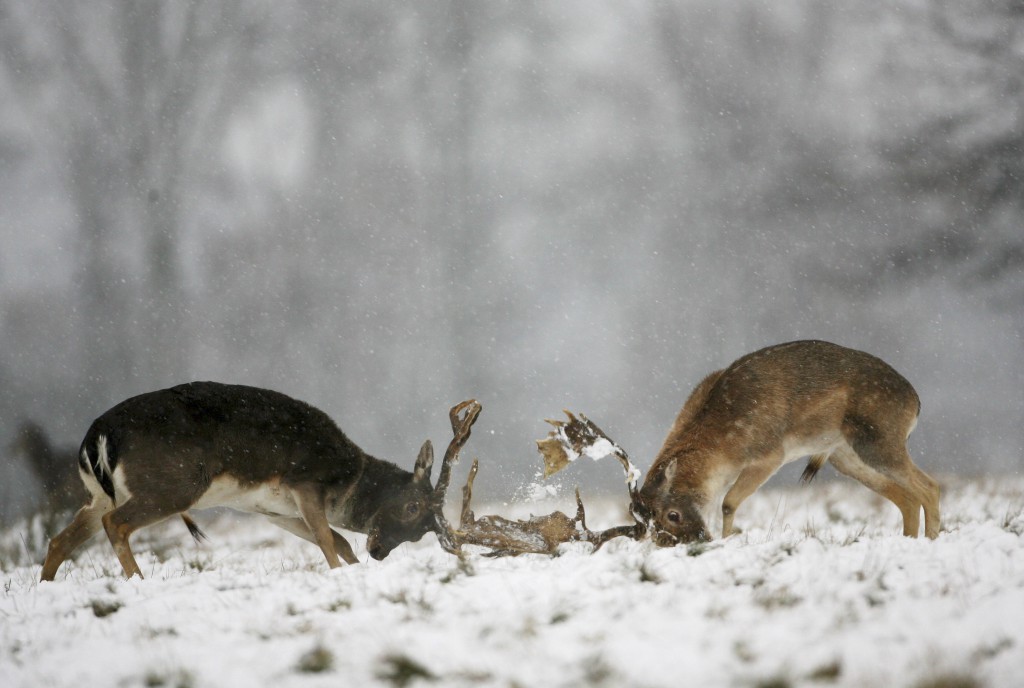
x=819, y=590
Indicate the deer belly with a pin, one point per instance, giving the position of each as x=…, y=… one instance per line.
x=270, y=498
x=794, y=448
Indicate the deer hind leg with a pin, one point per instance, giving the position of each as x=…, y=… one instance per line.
x=750, y=478
x=297, y=526
x=884, y=479
x=128, y=518
x=86, y=523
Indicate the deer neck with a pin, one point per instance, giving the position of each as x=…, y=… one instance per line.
x=378, y=481
x=701, y=467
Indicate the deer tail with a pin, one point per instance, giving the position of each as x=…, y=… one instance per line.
x=814, y=465
x=194, y=530
x=99, y=458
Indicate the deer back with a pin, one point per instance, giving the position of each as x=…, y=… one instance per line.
x=790, y=392
x=206, y=430
x=206, y=444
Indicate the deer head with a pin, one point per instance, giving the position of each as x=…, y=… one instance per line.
x=405, y=514
x=672, y=516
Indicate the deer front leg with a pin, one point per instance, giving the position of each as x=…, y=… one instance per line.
x=310, y=502
x=296, y=526
x=750, y=478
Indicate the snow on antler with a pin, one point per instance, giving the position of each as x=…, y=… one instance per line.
x=581, y=437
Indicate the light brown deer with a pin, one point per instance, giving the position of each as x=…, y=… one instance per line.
x=206, y=444
x=776, y=405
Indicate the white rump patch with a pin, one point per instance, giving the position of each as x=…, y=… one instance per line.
x=121, y=492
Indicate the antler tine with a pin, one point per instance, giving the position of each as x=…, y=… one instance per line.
x=472, y=408
x=462, y=425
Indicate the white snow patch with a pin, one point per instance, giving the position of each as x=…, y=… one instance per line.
x=820, y=589
x=599, y=449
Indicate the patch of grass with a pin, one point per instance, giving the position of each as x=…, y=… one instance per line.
x=463, y=568
x=695, y=549
x=102, y=608
x=151, y=632
x=774, y=682
x=855, y=537
x=781, y=598
x=991, y=650
x=951, y=680
x=648, y=575
x=401, y=670
x=810, y=530
x=827, y=673
x=414, y=602
x=743, y=652
x=597, y=671
x=178, y=678
x=1012, y=521
x=198, y=562
x=340, y=604
x=316, y=661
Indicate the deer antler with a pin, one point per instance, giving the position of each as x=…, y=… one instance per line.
x=540, y=534
x=581, y=437
x=462, y=417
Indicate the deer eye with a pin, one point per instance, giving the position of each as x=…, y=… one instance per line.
x=412, y=509
x=674, y=516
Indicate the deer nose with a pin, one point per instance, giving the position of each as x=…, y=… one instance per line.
x=663, y=538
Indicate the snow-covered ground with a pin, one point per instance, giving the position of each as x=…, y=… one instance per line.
x=819, y=590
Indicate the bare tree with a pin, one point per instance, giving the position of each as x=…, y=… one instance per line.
x=963, y=152
x=131, y=93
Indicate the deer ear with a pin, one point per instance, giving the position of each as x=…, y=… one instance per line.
x=424, y=462
x=670, y=471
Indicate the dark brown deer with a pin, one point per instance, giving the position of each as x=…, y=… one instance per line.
x=53, y=466
x=207, y=444
x=806, y=398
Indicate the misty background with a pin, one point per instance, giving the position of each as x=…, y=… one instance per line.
x=385, y=208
